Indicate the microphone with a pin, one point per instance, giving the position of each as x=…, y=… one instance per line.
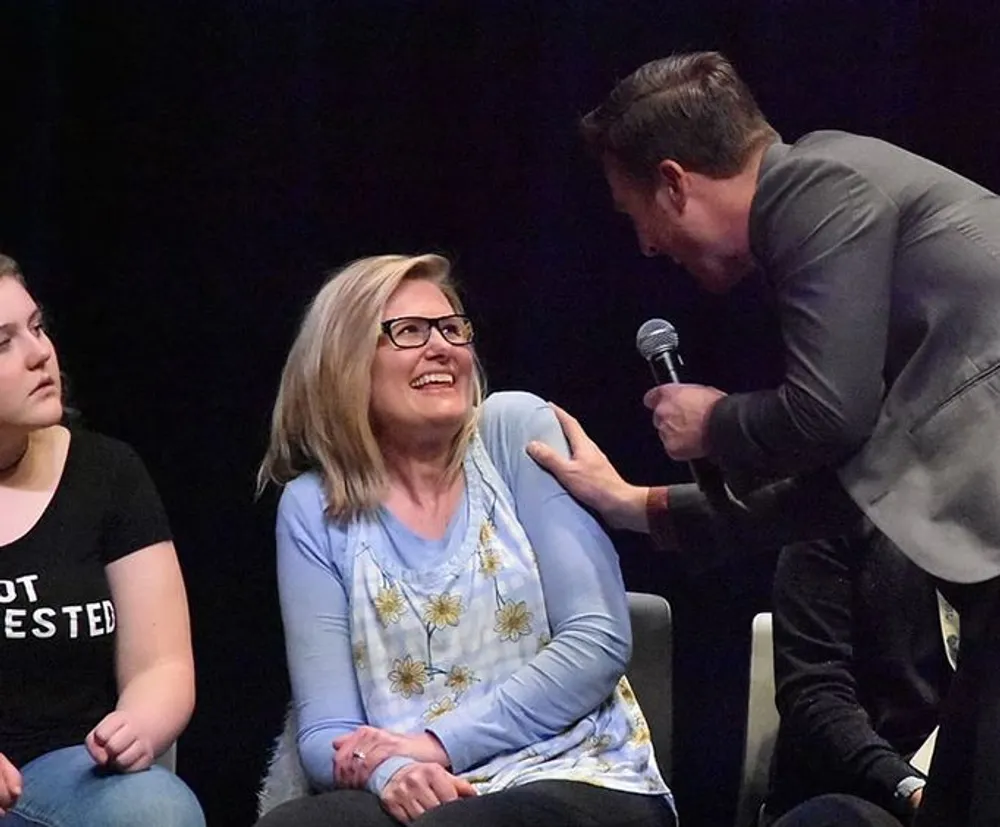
x=656, y=341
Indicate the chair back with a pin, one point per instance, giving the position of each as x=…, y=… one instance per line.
x=168, y=760
x=650, y=671
x=762, y=724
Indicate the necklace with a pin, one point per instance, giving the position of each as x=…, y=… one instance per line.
x=17, y=460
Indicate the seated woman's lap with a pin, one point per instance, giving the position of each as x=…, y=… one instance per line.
x=64, y=788
x=539, y=804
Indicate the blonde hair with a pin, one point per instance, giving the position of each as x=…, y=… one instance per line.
x=321, y=415
x=10, y=269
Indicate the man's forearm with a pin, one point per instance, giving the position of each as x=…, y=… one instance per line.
x=793, y=510
x=659, y=522
x=629, y=510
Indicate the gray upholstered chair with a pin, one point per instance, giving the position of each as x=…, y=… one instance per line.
x=762, y=724
x=169, y=759
x=649, y=673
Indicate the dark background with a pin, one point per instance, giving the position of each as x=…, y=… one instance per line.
x=177, y=176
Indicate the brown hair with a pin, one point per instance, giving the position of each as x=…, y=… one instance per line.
x=690, y=108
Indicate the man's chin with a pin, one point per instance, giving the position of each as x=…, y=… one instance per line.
x=714, y=284
x=721, y=277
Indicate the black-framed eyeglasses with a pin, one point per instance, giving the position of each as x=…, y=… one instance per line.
x=415, y=331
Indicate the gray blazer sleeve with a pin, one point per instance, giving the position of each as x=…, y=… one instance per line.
x=825, y=238
x=809, y=507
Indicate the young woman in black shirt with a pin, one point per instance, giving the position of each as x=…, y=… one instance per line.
x=96, y=670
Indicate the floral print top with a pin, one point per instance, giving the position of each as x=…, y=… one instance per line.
x=427, y=642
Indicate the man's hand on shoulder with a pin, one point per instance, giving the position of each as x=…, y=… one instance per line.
x=591, y=478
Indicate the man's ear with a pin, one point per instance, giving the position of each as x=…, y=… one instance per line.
x=671, y=186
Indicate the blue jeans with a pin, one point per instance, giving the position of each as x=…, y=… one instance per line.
x=64, y=788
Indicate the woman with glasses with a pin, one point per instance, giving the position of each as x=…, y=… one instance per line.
x=456, y=625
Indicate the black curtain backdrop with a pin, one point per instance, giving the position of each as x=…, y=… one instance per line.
x=177, y=177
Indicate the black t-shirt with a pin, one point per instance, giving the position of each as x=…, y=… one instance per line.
x=57, y=619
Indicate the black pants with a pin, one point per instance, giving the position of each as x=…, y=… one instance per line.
x=964, y=785
x=835, y=811
x=541, y=804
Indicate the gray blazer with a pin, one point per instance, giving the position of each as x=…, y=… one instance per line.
x=886, y=272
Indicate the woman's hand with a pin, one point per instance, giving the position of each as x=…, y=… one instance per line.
x=360, y=752
x=116, y=744
x=10, y=785
x=417, y=788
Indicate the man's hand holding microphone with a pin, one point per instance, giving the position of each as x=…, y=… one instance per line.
x=680, y=417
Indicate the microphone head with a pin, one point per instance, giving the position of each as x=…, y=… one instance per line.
x=654, y=337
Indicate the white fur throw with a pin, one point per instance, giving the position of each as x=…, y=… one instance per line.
x=285, y=779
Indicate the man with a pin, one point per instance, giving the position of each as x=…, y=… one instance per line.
x=885, y=270
x=860, y=670
x=860, y=663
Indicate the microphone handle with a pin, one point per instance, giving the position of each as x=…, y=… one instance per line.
x=707, y=475
x=664, y=369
